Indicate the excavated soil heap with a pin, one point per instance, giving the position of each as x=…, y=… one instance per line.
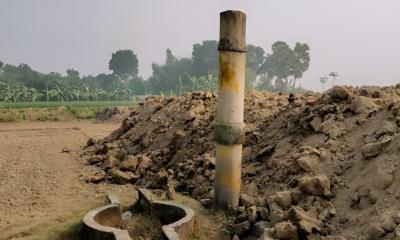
x=315, y=166
x=112, y=114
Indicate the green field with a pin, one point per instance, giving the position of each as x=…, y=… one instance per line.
x=55, y=111
x=84, y=104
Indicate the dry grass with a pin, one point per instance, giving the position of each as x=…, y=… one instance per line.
x=208, y=224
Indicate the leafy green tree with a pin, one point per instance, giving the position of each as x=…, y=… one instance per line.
x=171, y=76
x=137, y=86
x=254, y=57
x=106, y=81
x=124, y=63
x=176, y=75
x=301, y=60
x=72, y=73
x=265, y=83
x=170, y=57
x=285, y=65
x=277, y=64
x=251, y=77
x=71, y=81
x=205, y=58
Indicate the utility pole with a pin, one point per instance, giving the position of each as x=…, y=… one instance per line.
x=229, y=127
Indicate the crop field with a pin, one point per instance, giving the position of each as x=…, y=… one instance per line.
x=74, y=104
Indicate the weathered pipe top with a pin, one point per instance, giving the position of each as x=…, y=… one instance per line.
x=232, y=40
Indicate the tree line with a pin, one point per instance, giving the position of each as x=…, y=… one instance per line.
x=275, y=71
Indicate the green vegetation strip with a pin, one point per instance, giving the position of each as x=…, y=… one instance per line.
x=75, y=104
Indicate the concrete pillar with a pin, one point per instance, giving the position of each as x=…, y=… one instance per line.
x=229, y=127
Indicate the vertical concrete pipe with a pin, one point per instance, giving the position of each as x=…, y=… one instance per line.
x=229, y=126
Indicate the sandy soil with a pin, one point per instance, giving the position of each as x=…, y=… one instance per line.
x=41, y=177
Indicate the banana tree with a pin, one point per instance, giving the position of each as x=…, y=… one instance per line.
x=9, y=93
x=68, y=94
x=3, y=91
x=59, y=93
x=34, y=94
x=203, y=83
x=52, y=94
x=47, y=93
x=195, y=83
x=86, y=91
x=77, y=94
x=98, y=92
x=210, y=83
x=110, y=95
x=116, y=93
x=25, y=93
x=102, y=93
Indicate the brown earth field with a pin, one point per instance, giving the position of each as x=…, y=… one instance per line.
x=42, y=188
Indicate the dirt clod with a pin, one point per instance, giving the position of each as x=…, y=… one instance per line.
x=338, y=93
x=286, y=231
x=315, y=185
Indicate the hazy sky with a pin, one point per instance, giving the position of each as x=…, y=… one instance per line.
x=360, y=39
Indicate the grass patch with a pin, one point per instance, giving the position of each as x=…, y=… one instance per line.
x=65, y=228
x=85, y=112
x=209, y=224
x=87, y=104
x=69, y=231
x=12, y=115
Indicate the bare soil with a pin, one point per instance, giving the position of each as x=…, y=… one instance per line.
x=315, y=166
x=144, y=227
x=113, y=114
x=41, y=176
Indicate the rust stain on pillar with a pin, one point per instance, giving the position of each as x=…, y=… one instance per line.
x=229, y=127
x=227, y=74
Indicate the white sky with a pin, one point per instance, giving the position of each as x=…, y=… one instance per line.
x=360, y=39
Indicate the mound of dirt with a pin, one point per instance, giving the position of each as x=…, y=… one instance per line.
x=112, y=114
x=315, y=166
